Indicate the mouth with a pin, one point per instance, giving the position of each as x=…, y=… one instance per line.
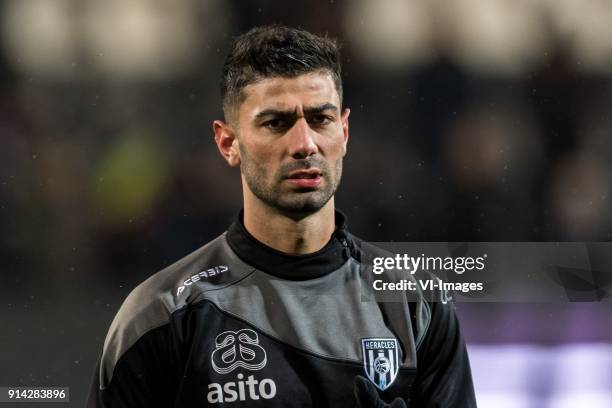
x=310, y=178
x=304, y=174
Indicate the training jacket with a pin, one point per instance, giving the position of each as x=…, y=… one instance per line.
x=239, y=324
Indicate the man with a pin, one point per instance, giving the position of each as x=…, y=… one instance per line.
x=271, y=313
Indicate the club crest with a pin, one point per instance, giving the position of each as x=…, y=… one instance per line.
x=380, y=360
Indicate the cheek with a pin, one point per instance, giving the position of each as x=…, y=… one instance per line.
x=333, y=148
x=263, y=157
x=334, y=139
x=256, y=151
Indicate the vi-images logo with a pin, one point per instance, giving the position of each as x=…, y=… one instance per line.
x=239, y=349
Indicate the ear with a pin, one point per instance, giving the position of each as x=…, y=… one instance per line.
x=345, y=126
x=227, y=142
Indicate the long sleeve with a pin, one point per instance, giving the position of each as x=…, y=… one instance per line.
x=444, y=378
x=144, y=376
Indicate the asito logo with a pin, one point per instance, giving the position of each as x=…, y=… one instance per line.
x=239, y=349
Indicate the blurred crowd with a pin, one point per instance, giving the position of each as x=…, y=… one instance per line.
x=479, y=120
x=472, y=120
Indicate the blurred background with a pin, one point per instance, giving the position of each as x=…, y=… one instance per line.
x=472, y=120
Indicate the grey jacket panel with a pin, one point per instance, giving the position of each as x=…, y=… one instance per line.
x=296, y=313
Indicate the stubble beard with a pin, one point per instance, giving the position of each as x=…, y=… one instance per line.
x=273, y=192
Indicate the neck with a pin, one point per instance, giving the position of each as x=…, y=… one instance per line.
x=280, y=231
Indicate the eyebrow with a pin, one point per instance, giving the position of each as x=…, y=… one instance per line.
x=287, y=113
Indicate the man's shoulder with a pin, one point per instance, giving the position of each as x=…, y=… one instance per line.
x=364, y=251
x=210, y=267
x=426, y=304
x=151, y=304
x=168, y=280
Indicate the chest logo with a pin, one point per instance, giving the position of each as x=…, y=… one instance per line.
x=235, y=349
x=380, y=360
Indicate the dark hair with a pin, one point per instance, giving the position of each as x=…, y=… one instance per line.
x=276, y=51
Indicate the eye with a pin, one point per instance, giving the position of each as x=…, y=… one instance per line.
x=320, y=119
x=275, y=124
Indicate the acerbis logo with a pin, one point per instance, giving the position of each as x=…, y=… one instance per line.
x=239, y=349
x=210, y=272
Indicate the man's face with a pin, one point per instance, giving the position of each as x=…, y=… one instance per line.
x=291, y=139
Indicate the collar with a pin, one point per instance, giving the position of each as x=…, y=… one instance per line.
x=287, y=266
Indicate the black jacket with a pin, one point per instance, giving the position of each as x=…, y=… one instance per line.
x=239, y=324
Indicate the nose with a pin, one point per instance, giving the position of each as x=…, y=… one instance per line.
x=302, y=140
